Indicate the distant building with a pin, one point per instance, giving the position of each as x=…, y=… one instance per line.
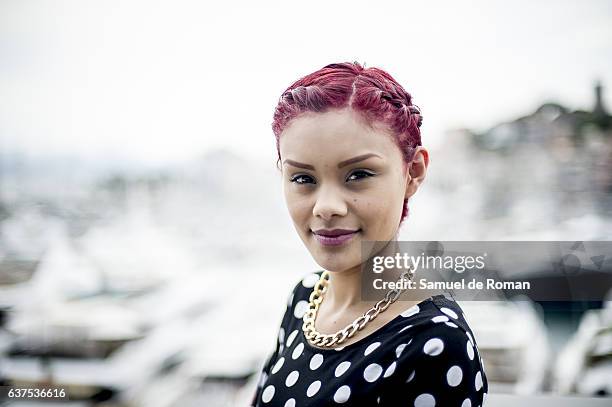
x=530, y=174
x=549, y=121
x=577, y=144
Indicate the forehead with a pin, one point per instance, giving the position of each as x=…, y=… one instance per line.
x=335, y=133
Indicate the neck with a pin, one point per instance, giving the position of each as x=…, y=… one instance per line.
x=344, y=288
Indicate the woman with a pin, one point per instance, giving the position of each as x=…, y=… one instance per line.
x=350, y=154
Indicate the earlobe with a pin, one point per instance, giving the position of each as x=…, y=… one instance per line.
x=411, y=186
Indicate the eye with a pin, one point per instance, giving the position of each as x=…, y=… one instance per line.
x=301, y=179
x=367, y=175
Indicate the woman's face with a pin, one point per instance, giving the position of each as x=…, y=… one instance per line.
x=340, y=173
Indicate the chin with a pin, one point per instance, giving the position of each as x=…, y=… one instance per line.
x=336, y=261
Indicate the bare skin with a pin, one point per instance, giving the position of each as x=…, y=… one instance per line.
x=366, y=196
x=330, y=321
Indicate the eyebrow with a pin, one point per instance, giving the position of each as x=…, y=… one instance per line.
x=340, y=164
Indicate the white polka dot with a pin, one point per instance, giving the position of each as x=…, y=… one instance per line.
x=400, y=349
x=342, y=394
x=470, y=350
x=372, y=372
x=411, y=311
x=484, y=397
x=411, y=376
x=264, y=377
x=440, y=318
x=470, y=338
x=454, y=376
x=290, y=300
x=291, y=337
x=404, y=328
x=478, y=381
x=342, y=367
x=281, y=335
x=452, y=325
x=267, y=394
x=278, y=365
x=290, y=403
x=449, y=312
x=371, y=348
x=390, y=370
x=313, y=388
x=466, y=403
x=433, y=347
x=297, y=351
x=292, y=378
x=425, y=400
x=310, y=280
x=300, y=309
x=316, y=361
x=339, y=348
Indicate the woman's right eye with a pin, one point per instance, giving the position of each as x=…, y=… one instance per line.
x=300, y=179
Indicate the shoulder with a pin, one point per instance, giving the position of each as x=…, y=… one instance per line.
x=434, y=314
x=296, y=305
x=298, y=297
x=440, y=356
x=302, y=288
x=450, y=313
x=438, y=327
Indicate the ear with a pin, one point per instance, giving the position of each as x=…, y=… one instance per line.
x=417, y=169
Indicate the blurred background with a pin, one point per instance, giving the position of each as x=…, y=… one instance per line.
x=146, y=253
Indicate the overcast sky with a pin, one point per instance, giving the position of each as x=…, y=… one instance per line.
x=164, y=81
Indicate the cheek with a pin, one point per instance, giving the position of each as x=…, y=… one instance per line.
x=379, y=213
x=297, y=205
x=372, y=211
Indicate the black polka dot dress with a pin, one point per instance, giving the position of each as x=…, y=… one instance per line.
x=425, y=357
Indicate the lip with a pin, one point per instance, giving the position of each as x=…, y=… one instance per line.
x=333, y=232
x=334, y=237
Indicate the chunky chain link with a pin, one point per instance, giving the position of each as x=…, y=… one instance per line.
x=329, y=340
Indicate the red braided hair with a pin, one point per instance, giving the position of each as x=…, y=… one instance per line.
x=370, y=91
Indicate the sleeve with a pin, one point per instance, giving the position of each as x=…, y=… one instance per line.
x=440, y=367
x=264, y=372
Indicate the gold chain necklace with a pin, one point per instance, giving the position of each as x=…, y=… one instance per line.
x=329, y=340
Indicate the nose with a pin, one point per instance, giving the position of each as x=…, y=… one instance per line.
x=329, y=202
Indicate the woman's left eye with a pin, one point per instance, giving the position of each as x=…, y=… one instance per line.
x=367, y=174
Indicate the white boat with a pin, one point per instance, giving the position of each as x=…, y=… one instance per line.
x=585, y=364
x=513, y=344
x=94, y=336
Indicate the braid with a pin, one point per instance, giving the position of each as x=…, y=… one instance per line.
x=403, y=102
x=371, y=91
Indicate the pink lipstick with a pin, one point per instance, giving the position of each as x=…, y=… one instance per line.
x=334, y=237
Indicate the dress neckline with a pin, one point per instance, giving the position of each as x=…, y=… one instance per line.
x=374, y=335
